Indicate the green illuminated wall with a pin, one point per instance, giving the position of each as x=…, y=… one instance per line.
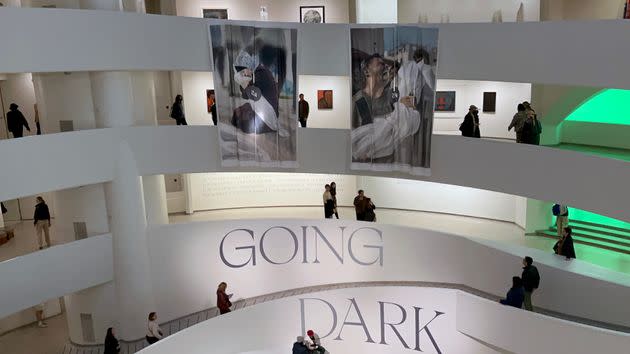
x=610, y=106
x=583, y=215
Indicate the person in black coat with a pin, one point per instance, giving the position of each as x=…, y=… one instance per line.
x=16, y=121
x=177, y=111
x=111, y=343
x=516, y=295
x=567, y=248
x=470, y=126
x=531, y=281
x=41, y=220
x=299, y=347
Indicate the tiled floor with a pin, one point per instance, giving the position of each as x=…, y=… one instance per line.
x=33, y=340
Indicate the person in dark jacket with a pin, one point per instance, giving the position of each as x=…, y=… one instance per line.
x=532, y=127
x=303, y=110
x=177, y=111
x=567, y=244
x=16, y=121
x=516, y=295
x=299, y=347
x=223, y=299
x=531, y=280
x=329, y=204
x=42, y=222
x=111, y=343
x=333, y=192
x=470, y=126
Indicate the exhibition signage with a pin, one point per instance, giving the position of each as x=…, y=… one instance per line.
x=255, y=83
x=393, y=92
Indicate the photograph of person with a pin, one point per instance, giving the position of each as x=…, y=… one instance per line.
x=255, y=88
x=393, y=88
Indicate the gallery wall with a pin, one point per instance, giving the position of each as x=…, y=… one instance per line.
x=494, y=125
x=436, y=11
x=194, y=86
x=339, y=116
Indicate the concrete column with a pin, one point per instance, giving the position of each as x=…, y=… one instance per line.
x=132, y=269
x=99, y=303
x=188, y=197
x=155, y=199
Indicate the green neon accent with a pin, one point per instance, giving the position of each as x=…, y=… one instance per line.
x=609, y=106
x=583, y=215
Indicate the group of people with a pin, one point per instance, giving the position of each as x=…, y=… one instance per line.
x=363, y=206
x=525, y=123
x=312, y=345
x=523, y=287
x=330, y=201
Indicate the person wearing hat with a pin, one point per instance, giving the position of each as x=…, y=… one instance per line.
x=470, y=126
x=16, y=121
x=315, y=344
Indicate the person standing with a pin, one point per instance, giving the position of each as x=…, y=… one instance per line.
x=42, y=222
x=518, y=121
x=516, y=295
x=111, y=342
x=533, y=126
x=39, y=314
x=567, y=249
x=299, y=347
x=16, y=121
x=213, y=108
x=303, y=111
x=223, y=299
x=315, y=345
x=562, y=217
x=333, y=192
x=329, y=204
x=360, y=205
x=531, y=281
x=470, y=126
x=154, y=332
x=177, y=110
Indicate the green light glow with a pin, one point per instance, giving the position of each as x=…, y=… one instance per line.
x=583, y=215
x=609, y=106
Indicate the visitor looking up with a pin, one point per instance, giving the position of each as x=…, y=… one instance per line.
x=16, y=121
x=111, y=342
x=154, y=332
x=41, y=220
x=562, y=217
x=516, y=295
x=518, y=121
x=333, y=192
x=223, y=299
x=470, y=126
x=177, y=110
x=303, y=110
x=329, y=204
x=531, y=281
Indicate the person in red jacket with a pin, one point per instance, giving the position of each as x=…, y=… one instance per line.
x=223, y=299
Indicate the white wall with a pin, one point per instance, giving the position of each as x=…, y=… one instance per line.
x=377, y=11
x=279, y=10
x=100, y=302
x=186, y=269
x=466, y=11
x=509, y=95
x=27, y=316
x=83, y=204
x=442, y=198
x=18, y=89
x=586, y=133
x=339, y=116
x=195, y=85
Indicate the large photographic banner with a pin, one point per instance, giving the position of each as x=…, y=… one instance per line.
x=393, y=90
x=255, y=83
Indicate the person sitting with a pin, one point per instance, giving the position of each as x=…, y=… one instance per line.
x=516, y=295
x=299, y=347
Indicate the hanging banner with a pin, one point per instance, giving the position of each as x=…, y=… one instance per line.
x=255, y=83
x=393, y=90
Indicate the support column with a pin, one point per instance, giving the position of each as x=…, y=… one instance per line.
x=155, y=199
x=132, y=269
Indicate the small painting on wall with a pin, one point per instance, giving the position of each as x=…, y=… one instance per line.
x=324, y=99
x=489, y=102
x=445, y=101
x=312, y=14
x=220, y=14
x=210, y=99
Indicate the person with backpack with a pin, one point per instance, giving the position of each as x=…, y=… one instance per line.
x=531, y=281
x=470, y=126
x=561, y=212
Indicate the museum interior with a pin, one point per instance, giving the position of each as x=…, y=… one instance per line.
x=164, y=162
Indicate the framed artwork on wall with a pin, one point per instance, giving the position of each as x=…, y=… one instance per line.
x=324, y=99
x=312, y=14
x=210, y=99
x=445, y=101
x=489, y=102
x=220, y=14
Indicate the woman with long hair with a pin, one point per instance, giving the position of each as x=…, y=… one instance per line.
x=333, y=192
x=154, y=332
x=223, y=299
x=111, y=342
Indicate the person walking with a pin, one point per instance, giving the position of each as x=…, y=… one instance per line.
x=16, y=121
x=223, y=299
x=470, y=126
x=516, y=295
x=329, y=204
x=213, y=109
x=532, y=128
x=177, y=110
x=518, y=121
x=154, y=332
x=39, y=315
x=333, y=192
x=531, y=281
x=303, y=111
x=562, y=217
x=567, y=249
x=111, y=342
x=41, y=220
